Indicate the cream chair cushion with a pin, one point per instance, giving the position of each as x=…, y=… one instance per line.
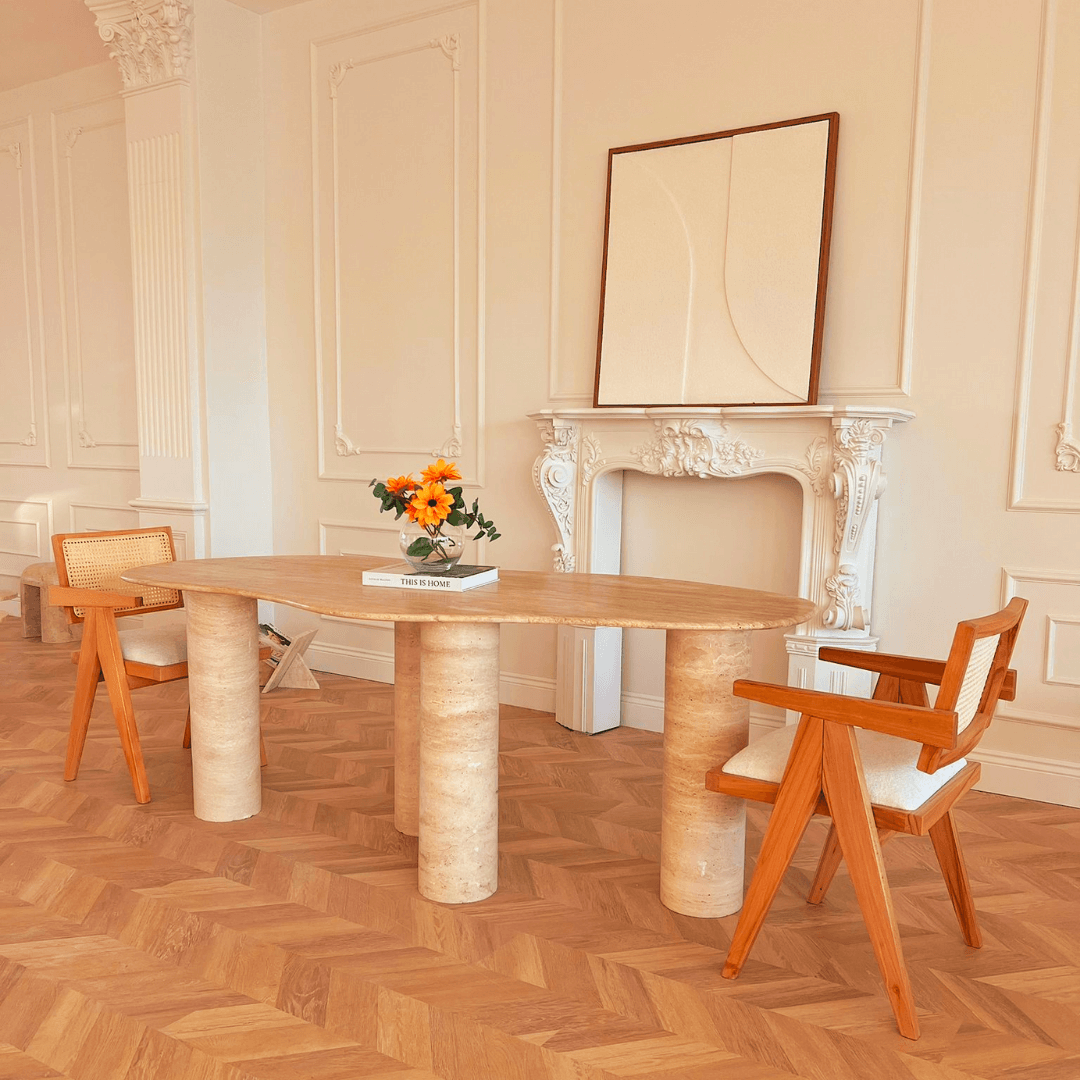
x=159, y=648
x=892, y=778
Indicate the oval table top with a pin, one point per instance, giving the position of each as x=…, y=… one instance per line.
x=330, y=585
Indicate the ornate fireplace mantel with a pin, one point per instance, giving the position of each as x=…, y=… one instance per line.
x=833, y=452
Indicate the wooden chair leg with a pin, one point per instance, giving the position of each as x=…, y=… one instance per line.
x=112, y=666
x=831, y=858
x=795, y=802
x=947, y=846
x=86, y=681
x=845, y=790
x=828, y=864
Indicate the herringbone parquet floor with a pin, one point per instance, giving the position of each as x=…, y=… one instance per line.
x=138, y=942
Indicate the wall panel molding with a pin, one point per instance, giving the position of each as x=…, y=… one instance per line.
x=95, y=516
x=901, y=387
x=25, y=532
x=1051, y=453
x=29, y=444
x=90, y=443
x=1048, y=677
x=463, y=435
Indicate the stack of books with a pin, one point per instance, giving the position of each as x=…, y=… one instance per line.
x=458, y=578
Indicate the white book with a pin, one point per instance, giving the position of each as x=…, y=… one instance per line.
x=458, y=578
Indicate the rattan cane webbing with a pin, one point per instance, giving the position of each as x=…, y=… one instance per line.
x=96, y=562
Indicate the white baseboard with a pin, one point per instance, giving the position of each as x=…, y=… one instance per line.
x=348, y=660
x=1023, y=776
x=527, y=691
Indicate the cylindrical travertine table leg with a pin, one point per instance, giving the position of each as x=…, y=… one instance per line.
x=223, y=685
x=702, y=833
x=459, y=761
x=407, y=727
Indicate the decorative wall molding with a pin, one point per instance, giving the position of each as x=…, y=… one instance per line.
x=916, y=165
x=449, y=46
x=150, y=40
x=1044, y=669
x=87, y=516
x=1067, y=451
x=1064, y=449
x=155, y=178
x=1051, y=672
x=71, y=338
x=35, y=516
x=27, y=244
x=463, y=430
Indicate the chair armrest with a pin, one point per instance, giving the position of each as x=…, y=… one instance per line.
x=933, y=727
x=913, y=668
x=67, y=596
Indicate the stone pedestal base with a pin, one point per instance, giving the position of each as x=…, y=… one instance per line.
x=223, y=665
x=702, y=833
x=459, y=761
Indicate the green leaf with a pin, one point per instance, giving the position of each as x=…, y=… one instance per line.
x=478, y=536
x=456, y=517
x=420, y=548
x=495, y=536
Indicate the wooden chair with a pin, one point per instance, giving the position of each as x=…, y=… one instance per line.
x=859, y=762
x=89, y=566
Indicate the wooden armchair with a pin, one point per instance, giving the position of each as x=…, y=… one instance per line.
x=859, y=762
x=89, y=566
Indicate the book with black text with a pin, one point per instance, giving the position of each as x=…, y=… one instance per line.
x=458, y=578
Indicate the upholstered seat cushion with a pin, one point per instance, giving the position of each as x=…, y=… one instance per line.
x=160, y=647
x=889, y=764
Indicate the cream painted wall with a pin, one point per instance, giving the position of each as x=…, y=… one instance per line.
x=952, y=292
x=68, y=432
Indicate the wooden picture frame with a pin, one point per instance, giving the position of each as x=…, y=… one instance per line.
x=736, y=283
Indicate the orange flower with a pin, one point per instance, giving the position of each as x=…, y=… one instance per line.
x=432, y=504
x=396, y=485
x=440, y=472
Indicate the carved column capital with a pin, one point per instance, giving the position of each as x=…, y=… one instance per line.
x=149, y=39
x=555, y=477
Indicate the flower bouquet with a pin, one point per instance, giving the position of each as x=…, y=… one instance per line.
x=434, y=539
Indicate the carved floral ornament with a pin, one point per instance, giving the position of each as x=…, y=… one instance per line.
x=149, y=39
x=1067, y=451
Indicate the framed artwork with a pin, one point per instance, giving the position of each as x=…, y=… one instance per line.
x=716, y=256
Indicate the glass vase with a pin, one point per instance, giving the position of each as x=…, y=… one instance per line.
x=433, y=554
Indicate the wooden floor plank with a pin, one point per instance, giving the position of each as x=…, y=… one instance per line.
x=139, y=942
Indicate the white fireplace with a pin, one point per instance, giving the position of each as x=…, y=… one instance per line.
x=833, y=452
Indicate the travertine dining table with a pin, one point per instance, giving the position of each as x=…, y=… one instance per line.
x=446, y=701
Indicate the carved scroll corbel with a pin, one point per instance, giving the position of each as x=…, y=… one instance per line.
x=555, y=477
x=857, y=483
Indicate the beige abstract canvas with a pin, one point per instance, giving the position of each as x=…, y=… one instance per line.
x=714, y=268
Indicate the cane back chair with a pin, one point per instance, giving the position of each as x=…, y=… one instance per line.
x=859, y=762
x=89, y=566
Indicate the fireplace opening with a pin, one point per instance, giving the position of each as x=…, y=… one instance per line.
x=741, y=531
